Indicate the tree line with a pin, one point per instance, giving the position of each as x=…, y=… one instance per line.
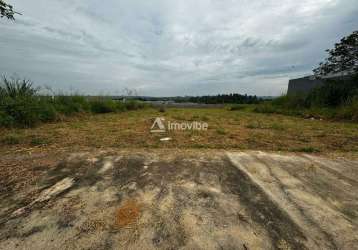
x=225, y=98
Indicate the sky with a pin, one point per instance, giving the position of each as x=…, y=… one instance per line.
x=171, y=47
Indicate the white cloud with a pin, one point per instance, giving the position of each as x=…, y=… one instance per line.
x=172, y=47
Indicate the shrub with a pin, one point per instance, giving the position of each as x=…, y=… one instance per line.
x=333, y=100
x=101, y=106
x=308, y=150
x=71, y=104
x=334, y=93
x=134, y=105
x=16, y=87
x=265, y=108
x=237, y=107
x=291, y=101
x=47, y=111
x=349, y=110
x=23, y=110
x=131, y=105
x=21, y=106
x=6, y=120
x=120, y=106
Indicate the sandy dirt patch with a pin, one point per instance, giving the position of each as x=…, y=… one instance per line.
x=183, y=200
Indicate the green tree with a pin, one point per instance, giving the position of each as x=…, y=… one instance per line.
x=342, y=58
x=6, y=10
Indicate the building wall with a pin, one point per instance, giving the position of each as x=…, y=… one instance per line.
x=306, y=84
x=303, y=85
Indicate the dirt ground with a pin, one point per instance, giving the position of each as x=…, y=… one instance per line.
x=172, y=199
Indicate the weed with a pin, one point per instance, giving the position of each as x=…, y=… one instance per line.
x=221, y=131
x=308, y=150
x=37, y=141
x=133, y=105
x=253, y=125
x=11, y=139
x=102, y=106
x=69, y=105
x=277, y=126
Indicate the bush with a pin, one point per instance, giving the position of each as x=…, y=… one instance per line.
x=265, y=108
x=349, y=111
x=71, y=104
x=308, y=150
x=6, y=120
x=133, y=105
x=101, y=106
x=291, y=101
x=21, y=106
x=47, y=111
x=334, y=93
x=237, y=107
x=333, y=100
x=15, y=87
x=23, y=111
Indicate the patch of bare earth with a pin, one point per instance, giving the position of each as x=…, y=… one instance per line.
x=183, y=200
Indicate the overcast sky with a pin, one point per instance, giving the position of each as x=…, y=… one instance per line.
x=171, y=47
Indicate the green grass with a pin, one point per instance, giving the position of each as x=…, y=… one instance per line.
x=21, y=106
x=308, y=150
x=37, y=141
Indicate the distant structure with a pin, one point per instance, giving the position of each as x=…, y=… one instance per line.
x=305, y=84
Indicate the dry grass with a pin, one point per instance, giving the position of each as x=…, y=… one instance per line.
x=227, y=130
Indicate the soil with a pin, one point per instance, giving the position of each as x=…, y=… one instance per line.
x=167, y=199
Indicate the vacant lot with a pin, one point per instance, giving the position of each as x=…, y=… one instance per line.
x=227, y=130
x=106, y=182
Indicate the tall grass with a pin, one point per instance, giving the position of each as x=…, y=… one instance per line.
x=22, y=106
x=333, y=100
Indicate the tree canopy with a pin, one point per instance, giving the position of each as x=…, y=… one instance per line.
x=342, y=58
x=6, y=10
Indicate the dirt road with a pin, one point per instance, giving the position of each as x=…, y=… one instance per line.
x=189, y=200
